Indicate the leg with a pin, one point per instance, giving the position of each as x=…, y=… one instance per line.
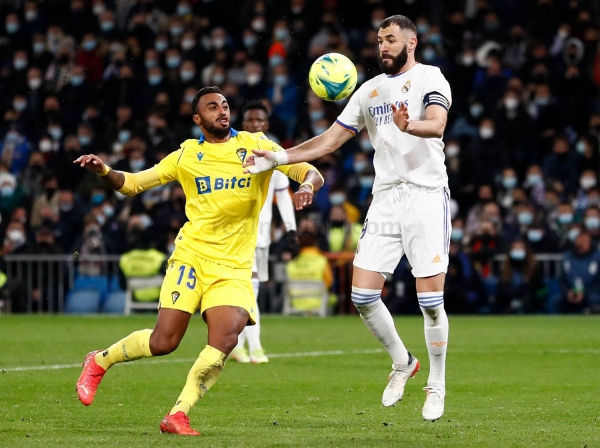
x=251, y=334
x=430, y=292
x=168, y=332
x=366, y=295
x=224, y=323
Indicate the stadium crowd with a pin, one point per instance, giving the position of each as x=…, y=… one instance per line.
x=117, y=79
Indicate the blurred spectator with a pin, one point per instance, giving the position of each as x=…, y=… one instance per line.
x=520, y=286
x=11, y=194
x=49, y=197
x=580, y=281
x=14, y=150
x=562, y=165
x=343, y=236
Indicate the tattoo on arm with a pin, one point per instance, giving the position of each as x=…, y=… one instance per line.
x=114, y=179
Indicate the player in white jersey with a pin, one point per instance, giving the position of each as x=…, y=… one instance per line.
x=405, y=111
x=256, y=119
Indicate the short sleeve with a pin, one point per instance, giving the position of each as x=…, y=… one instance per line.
x=437, y=90
x=351, y=117
x=167, y=167
x=280, y=181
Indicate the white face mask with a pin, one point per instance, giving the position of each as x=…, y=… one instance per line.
x=587, y=182
x=253, y=79
x=486, y=132
x=511, y=103
x=452, y=150
x=16, y=237
x=34, y=83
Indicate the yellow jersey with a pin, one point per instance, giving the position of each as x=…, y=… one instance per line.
x=222, y=203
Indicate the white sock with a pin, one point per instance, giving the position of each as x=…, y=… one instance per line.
x=436, y=335
x=380, y=323
x=253, y=331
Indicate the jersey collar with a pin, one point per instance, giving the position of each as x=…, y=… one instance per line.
x=232, y=133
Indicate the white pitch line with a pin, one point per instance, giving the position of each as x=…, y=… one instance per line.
x=189, y=360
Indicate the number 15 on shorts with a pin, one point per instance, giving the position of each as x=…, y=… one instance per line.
x=188, y=280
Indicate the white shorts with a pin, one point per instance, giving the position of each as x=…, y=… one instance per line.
x=261, y=263
x=406, y=220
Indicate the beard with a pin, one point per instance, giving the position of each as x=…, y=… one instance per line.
x=397, y=62
x=217, y=130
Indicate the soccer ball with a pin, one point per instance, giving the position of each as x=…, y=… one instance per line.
x=332, y=77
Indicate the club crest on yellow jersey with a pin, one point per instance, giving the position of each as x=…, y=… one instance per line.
x=241, y=153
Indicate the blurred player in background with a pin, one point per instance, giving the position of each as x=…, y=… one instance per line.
x=255, y=118
x=210, y=268
x=405, y=111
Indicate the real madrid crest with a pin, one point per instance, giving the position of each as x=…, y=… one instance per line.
x=406, y=86
x=241, y=153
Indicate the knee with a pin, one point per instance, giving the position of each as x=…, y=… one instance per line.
x=161, y=345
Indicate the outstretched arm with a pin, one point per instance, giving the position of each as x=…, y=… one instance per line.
x=312, y=149
x=129, y=184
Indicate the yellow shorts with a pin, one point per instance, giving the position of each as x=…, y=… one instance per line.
x=193, y=283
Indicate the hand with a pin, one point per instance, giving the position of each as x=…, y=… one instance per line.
x=303, y=197
x=400, y=116
x=263, y=161
x=91, y=162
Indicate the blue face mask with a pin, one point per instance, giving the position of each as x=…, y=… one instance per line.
x=573, y=234
x=196, y=132
x=84, y=140
x=154, y=80
x=76, y=80
x=89, y=45
x=12, y=27
x=525, y=218
x=280, y=33
x=98, y=198
x=517, y=254
x=280, y=80
x=535, y=235
x=592, y=223
x=39, y=47
x=149, y=63
x=249, y=41
x=176, y=31
x=108, y=211
x=12, y=137
x=316, y=114
x=359, y=166
x=534, y=179
x=476, y=110
x=422, y=28
x=337, y=198
x=20, y=64
x=366, y=181
x=429, y=54
x=509, y=182
x=183, y=10
x=55, y=133
x=173, y=61
x=275, y=60
x=124, y=135
x=580, y=147
x=457, y=234
x=160, y=46
x=187, y=75
x=189, y=99
x=365, y=145
x=136, y=165
x=435, y=38
x=319, y=129
x=20, y=106
x=107, y=26
x=565, y=218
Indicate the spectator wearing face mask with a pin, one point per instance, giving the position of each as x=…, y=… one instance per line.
x=339, y=197
x=520, y=286
x=487, y=152
x=70, y=220
x=14, y=237
x=49, y=197
x=253, y=88
x=541, y=239
x=562, y=165
x=14, y=150
x=343, y=236
x=587, y=182
x=580, y=280
x=591, y=223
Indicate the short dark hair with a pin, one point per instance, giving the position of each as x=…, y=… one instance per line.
x=200, y=93
x=255, y=105
x=402, y=21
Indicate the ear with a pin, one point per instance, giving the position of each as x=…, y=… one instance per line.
x=412, y=44
x=197, y=120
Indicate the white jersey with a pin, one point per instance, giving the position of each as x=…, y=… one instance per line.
x=400, y=157
x=279, y=181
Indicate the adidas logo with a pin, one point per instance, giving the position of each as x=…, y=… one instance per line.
x=436, y=259
x=374, y=94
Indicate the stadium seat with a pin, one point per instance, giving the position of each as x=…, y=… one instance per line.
x=138, y=283
x=115, y=303
x=114, y=284
x=304, y=297
x=99, y=284
x=83, y=301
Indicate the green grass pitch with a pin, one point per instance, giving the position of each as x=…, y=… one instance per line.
x=511, y=381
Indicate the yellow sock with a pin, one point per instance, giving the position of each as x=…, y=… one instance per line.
x=202, y=376
x=130, y=348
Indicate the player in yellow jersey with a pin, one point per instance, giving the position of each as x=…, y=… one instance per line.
x=211, y=266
